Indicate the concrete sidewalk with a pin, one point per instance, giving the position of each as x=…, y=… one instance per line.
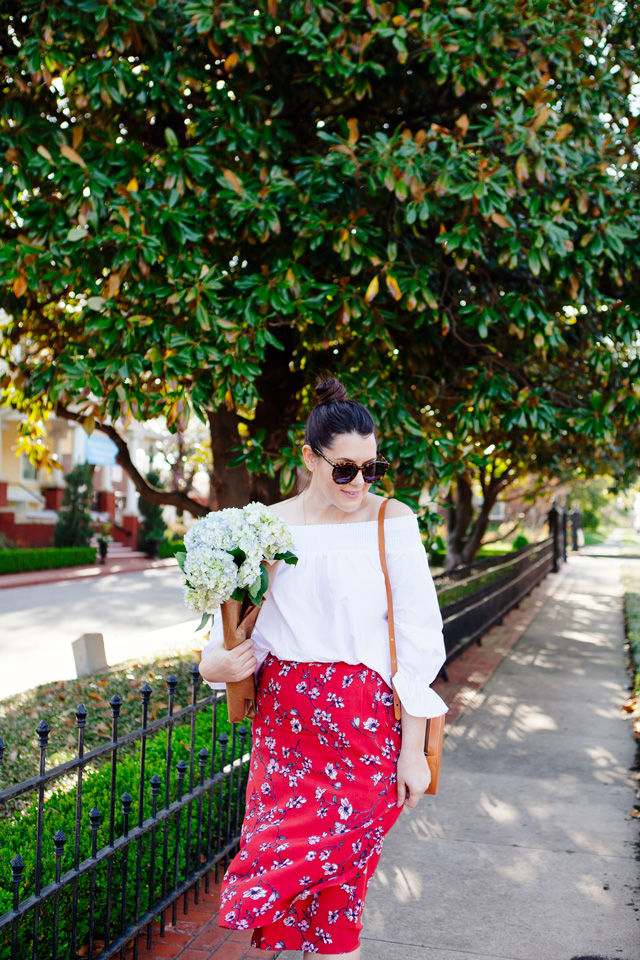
x=529, y=850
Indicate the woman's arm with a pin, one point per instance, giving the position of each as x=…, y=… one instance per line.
x=419, y=642
x=413, y=771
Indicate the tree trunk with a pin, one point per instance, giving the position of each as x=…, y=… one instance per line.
x=279, y=387
x=459, y=515
x=232, y=487
x=463, y=544
x=277, y=409
x=480, y=524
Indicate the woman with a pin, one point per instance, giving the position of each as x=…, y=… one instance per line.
x=331, y=768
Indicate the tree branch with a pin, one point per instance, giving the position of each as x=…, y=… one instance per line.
x=172, y=498
x=514, y=526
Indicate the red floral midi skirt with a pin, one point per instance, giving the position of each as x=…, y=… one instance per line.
x=321, y=797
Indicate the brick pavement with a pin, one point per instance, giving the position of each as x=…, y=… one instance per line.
x=196, y=934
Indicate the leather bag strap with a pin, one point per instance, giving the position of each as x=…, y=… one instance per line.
x=392, y=632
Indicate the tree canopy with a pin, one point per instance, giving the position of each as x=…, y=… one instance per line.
x=207, y=203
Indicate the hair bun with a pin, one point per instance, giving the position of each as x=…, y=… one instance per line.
x=331, y=391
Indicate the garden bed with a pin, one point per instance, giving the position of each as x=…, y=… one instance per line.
x=57, y=703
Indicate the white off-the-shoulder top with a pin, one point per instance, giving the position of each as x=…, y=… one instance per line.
x=332, y=606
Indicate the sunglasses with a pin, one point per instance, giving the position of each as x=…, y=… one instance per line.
x=344, y=471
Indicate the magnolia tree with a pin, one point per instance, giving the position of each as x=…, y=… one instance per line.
x=206, y=204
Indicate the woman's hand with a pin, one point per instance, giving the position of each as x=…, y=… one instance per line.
x=413, y=771
x=219, y=665
x=413, y=775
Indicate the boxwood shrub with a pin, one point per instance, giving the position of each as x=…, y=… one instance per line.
x=632, y=623
x=169, y=548
x=18, y=835
x=45, y=558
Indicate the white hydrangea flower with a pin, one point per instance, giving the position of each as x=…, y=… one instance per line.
x=271, y=530
x=217, y=530
x=249, y=571
x=200, y=599
x=211, y=572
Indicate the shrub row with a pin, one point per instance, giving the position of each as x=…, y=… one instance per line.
x=169, y=548
x=45, y=558
x=632, y=621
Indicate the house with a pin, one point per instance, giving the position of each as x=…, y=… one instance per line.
x=30, y=498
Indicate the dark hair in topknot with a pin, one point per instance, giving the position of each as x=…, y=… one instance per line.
x=330, y=391
x=334, y=414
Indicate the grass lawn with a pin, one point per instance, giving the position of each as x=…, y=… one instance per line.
x=592, y=538
x=57, y=702
x=495, y=549
x=630, y=539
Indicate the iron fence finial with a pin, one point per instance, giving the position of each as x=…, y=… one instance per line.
x=43, y=730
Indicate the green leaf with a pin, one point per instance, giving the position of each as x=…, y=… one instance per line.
x=259, y=587
x=287, y=556
x=171, y=138
x=204, y=621
x=77, y=233
x=96, y=303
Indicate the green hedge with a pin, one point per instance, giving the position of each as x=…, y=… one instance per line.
x=18, y=836
x=45, y=558
x=169, y=548
x=632, y=622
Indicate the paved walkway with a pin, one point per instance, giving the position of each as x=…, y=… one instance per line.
x=529, y=850
x=140, y=615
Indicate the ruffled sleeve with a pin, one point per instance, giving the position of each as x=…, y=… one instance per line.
x=418, y=625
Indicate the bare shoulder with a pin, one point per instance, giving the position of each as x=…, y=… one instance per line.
x=398, y=509
x=289, y=510
x=394, y=509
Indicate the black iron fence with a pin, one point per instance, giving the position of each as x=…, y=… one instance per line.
x=96, y=885
x=476, y=597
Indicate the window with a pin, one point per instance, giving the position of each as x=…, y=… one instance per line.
x=27, y=470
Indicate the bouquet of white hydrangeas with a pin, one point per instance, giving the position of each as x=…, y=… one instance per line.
x=225, y=554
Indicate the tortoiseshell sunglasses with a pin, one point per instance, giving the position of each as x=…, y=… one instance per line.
x=344, y=471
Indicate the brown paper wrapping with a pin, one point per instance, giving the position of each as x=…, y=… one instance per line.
x=237, y=627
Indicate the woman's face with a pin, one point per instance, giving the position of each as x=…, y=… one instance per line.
x=346, y=446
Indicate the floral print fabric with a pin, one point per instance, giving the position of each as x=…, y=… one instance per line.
x=321, y=797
